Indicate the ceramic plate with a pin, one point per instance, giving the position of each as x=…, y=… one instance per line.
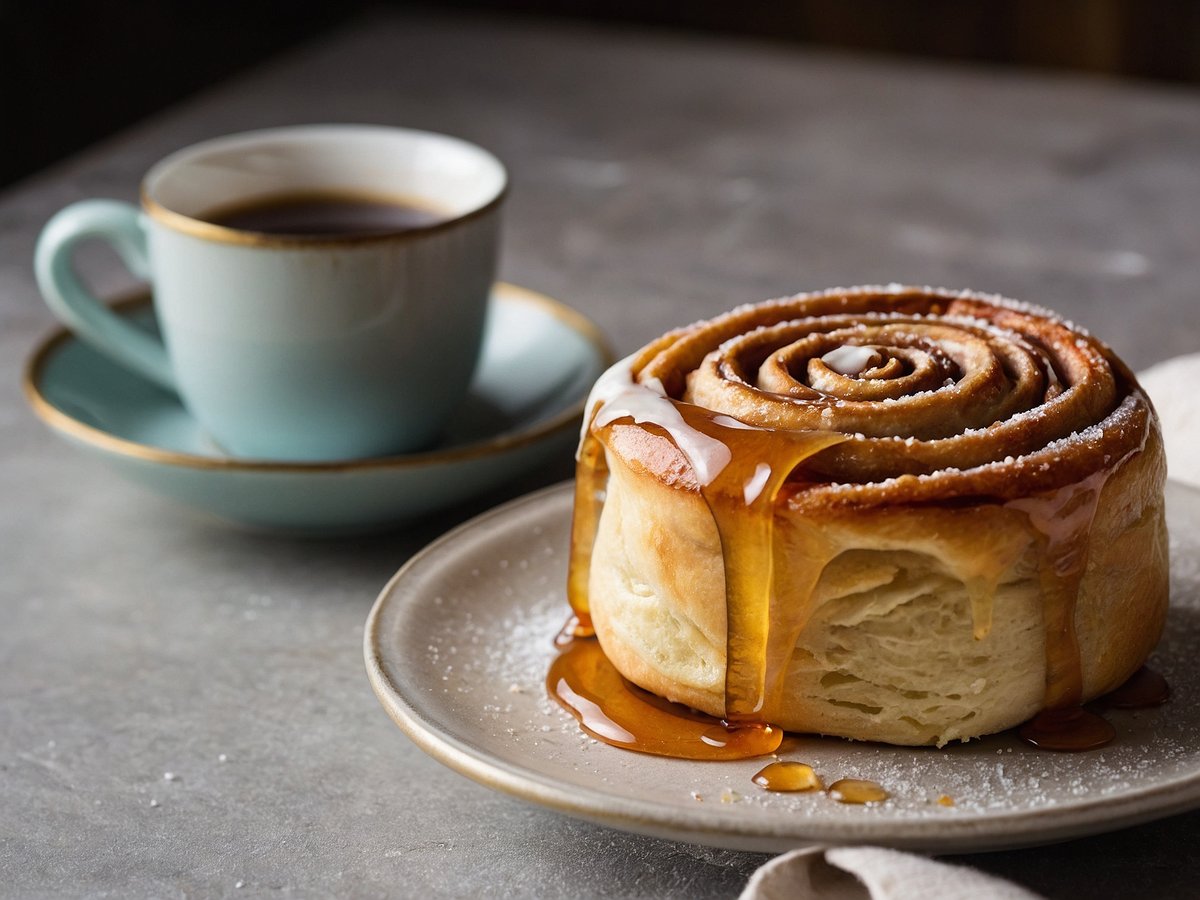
x=539, y=361
x=457, y=648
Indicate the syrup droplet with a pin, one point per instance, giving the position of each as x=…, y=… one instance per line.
x=1144, y=688
x=613, y=710
x=1069, y=730
x=857, y=790
x=788, y=776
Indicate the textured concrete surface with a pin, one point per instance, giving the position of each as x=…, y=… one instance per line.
x=656, y=179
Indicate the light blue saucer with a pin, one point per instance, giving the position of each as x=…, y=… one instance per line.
x=539, y=360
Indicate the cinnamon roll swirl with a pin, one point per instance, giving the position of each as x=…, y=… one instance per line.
x=895, y=514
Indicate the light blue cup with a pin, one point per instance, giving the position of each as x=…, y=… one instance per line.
x=298, y=348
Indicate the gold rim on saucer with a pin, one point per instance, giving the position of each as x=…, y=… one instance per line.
x=88, y=434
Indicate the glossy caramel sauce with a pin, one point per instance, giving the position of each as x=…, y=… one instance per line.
x=613, y=710
x=1074, y=729
x=741, y=497
x=1144, y=688
x=858, y=791
x=591, y=479
x=1063, y=522
x=788, y=776
x=1071, y=729
x=761, y=634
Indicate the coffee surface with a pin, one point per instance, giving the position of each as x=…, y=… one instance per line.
x=322, y=215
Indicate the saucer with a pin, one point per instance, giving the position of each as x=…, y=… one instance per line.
x=538, y=363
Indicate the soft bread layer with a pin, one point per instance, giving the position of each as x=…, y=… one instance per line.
x=888, y=648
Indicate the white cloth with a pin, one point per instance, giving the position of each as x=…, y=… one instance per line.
x=873, y=873
x=1173, y=387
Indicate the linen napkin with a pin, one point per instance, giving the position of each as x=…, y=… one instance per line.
x=873, y=873
x=1173, y=386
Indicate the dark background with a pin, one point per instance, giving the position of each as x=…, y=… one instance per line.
x=78, y=71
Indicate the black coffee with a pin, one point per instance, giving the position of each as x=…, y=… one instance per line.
x=318, y=215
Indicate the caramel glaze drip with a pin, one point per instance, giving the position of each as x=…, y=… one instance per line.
x=613, y=710
x=741, y=498
x=1144, y=688
x=1075, y=729
x=1064, y=522
x=1071, y=729
x=590, y=480
x=742, y=492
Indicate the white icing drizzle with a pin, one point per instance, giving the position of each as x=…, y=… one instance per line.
x=617, y=396
x=851, y=359
x=756, y=482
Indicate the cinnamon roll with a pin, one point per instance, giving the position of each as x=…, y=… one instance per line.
x=887, y=513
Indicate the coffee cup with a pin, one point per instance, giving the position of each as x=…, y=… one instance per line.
x=321, y=291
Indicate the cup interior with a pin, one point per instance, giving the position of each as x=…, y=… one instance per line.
x=445, y=174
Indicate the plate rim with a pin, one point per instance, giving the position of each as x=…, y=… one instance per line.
x=71, y=427
x=965, y=832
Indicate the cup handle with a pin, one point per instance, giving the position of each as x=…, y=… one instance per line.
x=121, y=226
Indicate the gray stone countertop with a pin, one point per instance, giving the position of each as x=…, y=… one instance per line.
x=656, y=179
